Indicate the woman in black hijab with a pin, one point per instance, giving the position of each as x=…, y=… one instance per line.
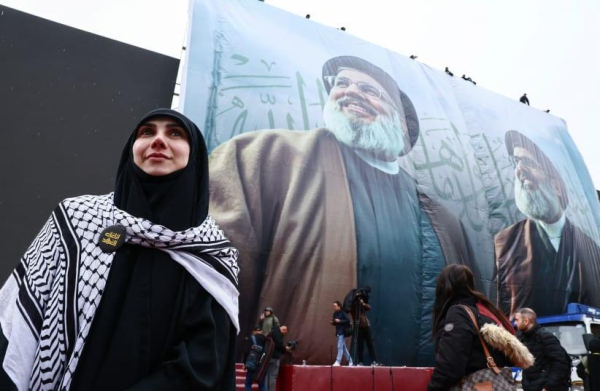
x=167, y=317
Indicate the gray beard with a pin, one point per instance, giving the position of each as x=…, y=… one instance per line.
x=383, y=138
x=540, y=204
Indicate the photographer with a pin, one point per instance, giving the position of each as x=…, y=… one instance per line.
x=362, y=333
x=280, y=349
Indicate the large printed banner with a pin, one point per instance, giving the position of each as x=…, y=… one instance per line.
x=337, y=164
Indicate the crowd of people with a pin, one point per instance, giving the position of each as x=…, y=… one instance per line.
x=462, y=341
x=263, y=351
x=264, y=348
x=474, y=341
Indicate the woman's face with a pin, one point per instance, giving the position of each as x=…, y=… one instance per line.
x=161, y=146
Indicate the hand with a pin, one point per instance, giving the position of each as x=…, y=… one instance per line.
x=337, y=321
x=262, y=316
x=288, y=349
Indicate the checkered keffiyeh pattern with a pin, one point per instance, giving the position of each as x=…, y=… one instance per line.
x=61, y=278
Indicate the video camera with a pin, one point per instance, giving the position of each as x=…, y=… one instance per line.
x=292, y=345
x=362, y=293
x=354, y=296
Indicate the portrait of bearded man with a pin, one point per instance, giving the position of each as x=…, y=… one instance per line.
x=544, y=261
x=319, y=212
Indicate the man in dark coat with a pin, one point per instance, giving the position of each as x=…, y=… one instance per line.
x=544, y=261
x=593, y=365
x=552, y=368
x=362, y=333
x=280, y=349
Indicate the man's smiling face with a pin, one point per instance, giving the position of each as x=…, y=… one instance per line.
x=360, y=115
x=356, y=94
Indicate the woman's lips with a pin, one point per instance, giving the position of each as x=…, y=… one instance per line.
x=157, y=156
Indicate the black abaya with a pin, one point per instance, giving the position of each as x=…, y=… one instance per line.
x=156, y=327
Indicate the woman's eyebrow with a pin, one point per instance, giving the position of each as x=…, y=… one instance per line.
x=170, y=124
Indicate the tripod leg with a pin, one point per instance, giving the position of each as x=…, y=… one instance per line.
x=354, y=343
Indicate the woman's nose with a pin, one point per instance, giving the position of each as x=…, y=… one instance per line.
x=158, y=141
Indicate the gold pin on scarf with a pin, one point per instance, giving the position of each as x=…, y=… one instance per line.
x=112, y=238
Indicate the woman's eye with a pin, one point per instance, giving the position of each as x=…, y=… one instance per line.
x=177, y=133
x=145, y=132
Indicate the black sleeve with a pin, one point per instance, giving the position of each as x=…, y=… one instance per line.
x=345, y=320
x=205, y=357
x=558, y=364
x=6, y=384
x=278, y=341
x=246, y=350
x=453, y=350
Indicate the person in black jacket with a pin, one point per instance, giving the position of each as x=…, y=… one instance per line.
x=589, y=367
x=552, y=368
x=362, y=325
x=280, y=349
x=340, y=320
x=593, y=365
x=458, y=347
x=257, y=338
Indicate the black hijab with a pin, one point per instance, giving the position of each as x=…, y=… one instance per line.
x=143, y=307
x=178, y=200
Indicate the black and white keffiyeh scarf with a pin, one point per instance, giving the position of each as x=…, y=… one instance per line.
x=48, y=304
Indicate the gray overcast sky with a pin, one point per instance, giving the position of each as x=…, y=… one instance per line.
x=547, y=48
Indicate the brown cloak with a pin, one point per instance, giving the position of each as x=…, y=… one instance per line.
x=283, y=199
